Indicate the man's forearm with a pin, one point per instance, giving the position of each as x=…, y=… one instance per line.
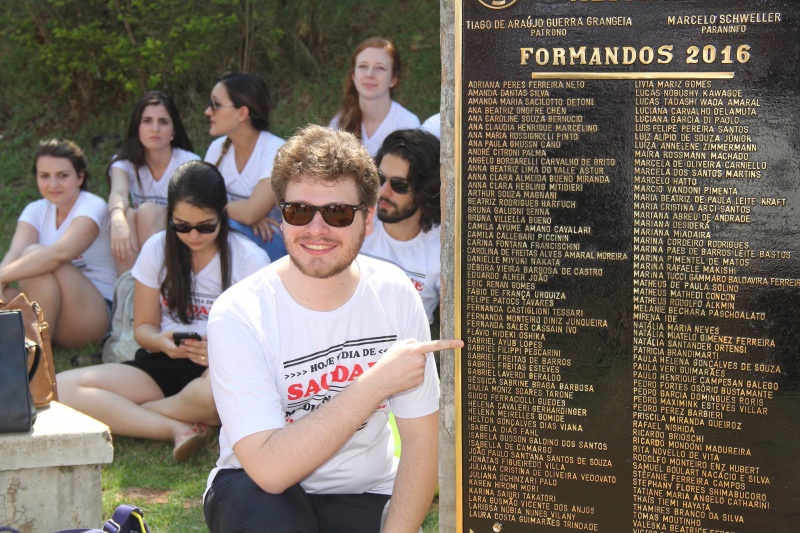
x=277, y=459
x=417, y=474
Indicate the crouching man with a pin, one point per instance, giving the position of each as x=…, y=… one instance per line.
x=308, y=357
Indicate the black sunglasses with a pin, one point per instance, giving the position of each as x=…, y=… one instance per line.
x=334, y=215
x=216, y=106
x=182, y=227
x=398, y=185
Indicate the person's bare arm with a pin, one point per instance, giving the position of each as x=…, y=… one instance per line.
x=254, y=208
x=77, y=238
x=24, y=236
x=253, y=211
x=277, y=459
x=147, y=321
x=124, y=244
x=417, y=474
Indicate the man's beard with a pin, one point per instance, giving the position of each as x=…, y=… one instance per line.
x=318, y=267
x=397, y=215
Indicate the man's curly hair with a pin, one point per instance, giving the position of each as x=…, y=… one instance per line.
x=420, y=150
x=327, y=156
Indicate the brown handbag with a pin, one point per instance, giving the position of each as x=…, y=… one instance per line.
x=37, y=333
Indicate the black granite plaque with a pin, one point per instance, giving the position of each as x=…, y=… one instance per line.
x=629, y=265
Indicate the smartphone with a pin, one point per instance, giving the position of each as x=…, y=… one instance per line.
x=180, y=336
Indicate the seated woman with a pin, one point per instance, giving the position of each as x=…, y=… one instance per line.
x=165, y=393
x=60, y=253
x=368, y=111
x=156, y=144
x=239, y=112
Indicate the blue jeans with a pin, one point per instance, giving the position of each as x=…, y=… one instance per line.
x=275, y=249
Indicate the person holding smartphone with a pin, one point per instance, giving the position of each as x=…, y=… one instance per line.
x=165, y=393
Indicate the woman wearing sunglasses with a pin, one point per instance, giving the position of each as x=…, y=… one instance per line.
x=60, y=254
x=156, y=144
x=164, y=393
x=238, y=113
x=368, y=111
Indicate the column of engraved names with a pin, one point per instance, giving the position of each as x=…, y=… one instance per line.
x=686, y=150
x=494, y=355
x=513, y=189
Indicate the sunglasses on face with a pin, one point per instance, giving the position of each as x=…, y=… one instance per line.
x=334, y=215
x=182, y=227
x=398, y=185
x=216, y=106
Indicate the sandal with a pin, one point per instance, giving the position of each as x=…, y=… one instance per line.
x=188, y=442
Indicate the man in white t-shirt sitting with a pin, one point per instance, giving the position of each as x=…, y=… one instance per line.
x=407, y=232
x=309, y=356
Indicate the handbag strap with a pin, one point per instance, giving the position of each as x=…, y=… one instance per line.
x=36, y=358
x=119, y=522
x=122, y=515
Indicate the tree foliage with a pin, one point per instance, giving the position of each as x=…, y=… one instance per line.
x=107, y=48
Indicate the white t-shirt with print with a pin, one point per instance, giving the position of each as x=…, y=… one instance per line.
x=273, y=361
x=152, y=190
x=240, y=185
x=97, y=262
x=246, y=258
x=419, y=258
x=399, y=118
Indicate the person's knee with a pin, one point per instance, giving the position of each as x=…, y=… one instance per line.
x=69, y=383
x=43, y=285
x=150, y=214
x=198, y=391
x=91, y=377
x=31, y=281
x=236, y=503
x=205, y=397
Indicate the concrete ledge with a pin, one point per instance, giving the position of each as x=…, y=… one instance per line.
x=61, y=436
x=51, y=477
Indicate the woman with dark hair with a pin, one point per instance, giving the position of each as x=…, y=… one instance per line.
x=60, y=254
x=238, y=113
x=368, y=111
x=164, y=393
x=155, y=145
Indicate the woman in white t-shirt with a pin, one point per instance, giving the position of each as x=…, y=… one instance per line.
x=238, y=112
x=60, y=254
x=368, y=111
x=156, y=144
x=165, y=392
